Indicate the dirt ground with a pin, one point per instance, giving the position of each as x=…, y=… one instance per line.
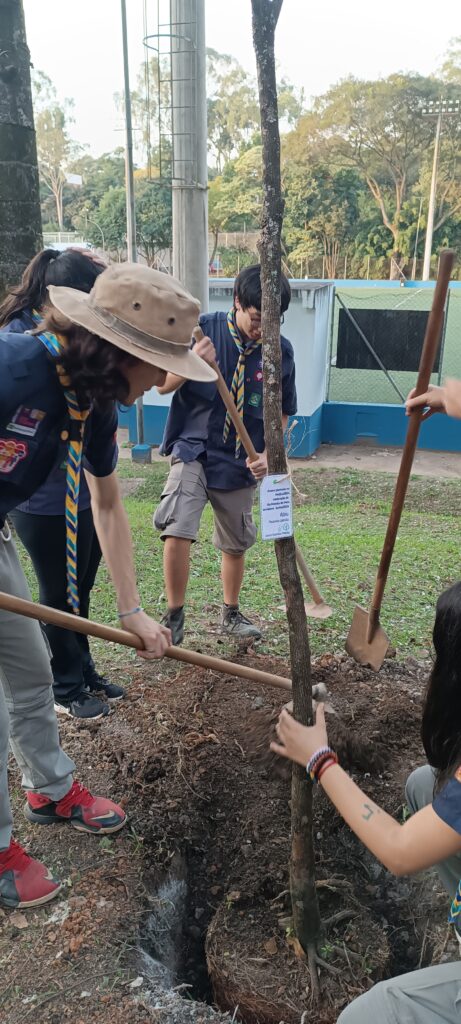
x=201, y=871
x=446, y=465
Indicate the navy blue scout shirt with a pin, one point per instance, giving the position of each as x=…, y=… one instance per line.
x=447, y=803
x=194, y=428
x=33, y=417
x=50, y=498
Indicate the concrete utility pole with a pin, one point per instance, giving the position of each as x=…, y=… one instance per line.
x=438, y=109
x=189, y=135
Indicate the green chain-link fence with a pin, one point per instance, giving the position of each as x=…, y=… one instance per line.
x=372, y=385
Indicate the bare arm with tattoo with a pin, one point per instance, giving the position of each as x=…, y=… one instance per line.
x=422, y=841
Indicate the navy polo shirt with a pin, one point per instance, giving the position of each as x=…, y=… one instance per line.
x=447, y=803
x=33, y=415
x=49, y=499
x=194, y=428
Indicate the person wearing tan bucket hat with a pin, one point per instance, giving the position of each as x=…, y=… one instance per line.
x=58, y=392
x=144, y=312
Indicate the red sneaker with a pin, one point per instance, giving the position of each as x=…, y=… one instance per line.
x=84, y=811
x=24, y=882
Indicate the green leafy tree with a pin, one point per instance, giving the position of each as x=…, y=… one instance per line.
x=111, y=218
x=98, y=176
x=377, y=129
x=321, y=212
x=451, y=67
x=233, y=109
x=151, y=115
x=55, y=147
x=153, y=220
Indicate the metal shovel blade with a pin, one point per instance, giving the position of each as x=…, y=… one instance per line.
x=318, y=611
x=371, y=654
x=313, y=610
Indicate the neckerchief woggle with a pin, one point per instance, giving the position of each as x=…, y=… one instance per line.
x=55, y=344
x=237, y=388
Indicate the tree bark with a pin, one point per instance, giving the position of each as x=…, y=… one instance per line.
x=306, y=917
x=20, y=221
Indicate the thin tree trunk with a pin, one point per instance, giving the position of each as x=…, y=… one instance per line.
x=20, y=221
x=306, y=917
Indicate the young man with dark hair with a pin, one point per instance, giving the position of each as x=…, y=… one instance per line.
x=208, y=463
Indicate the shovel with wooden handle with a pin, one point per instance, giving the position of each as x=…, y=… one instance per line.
x=367, y=641
x=19, y=606
x=317, y=608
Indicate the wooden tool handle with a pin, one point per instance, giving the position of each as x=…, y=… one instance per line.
x=66, y=620
x=302, y=564
x=231, y=406
x=426, y=365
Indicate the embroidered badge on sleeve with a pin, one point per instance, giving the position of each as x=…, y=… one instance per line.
x=26, y=421
x=11, y=453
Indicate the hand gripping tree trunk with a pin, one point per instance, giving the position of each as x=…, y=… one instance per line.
x=20, y=222
x=306, y=916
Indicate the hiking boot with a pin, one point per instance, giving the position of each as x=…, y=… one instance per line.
x=95, y=683
x=24, y=882
x=84, y=706
x=174, y=620
x=85, y=812
x=237, y=625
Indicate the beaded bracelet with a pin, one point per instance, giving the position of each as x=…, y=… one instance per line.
x=319, y=764
x=315, y=757
x=326, y=764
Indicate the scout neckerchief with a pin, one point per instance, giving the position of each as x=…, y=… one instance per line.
x=56, y=345
x=237, y=388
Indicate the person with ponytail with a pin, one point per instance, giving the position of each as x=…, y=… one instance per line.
x=430, y=837
x=59, y=388
x=79, y=689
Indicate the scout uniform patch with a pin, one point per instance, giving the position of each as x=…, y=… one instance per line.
x=26, y=421
x=11, y=453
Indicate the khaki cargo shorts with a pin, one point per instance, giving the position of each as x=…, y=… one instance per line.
x=184, y=497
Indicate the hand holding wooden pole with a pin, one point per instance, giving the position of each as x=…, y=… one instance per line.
x=77, y=624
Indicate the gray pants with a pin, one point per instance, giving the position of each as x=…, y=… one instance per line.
x=430, y=996
x=27, y=715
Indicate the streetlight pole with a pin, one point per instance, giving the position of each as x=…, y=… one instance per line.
x=129, y=175
x=89, y=220
x=129, y=184
x=438, y=109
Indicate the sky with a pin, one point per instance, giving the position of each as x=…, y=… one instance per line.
x=79, y=46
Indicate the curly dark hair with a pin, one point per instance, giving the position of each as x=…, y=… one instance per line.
x=440, y=731
x=94, y=366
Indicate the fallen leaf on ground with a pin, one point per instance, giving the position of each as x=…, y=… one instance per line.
x=19, y=920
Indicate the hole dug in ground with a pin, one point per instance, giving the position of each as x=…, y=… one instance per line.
x=218, y=837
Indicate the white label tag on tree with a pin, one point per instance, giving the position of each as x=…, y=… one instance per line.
x=276, y=507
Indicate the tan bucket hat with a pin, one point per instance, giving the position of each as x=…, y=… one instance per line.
x=142, y=311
